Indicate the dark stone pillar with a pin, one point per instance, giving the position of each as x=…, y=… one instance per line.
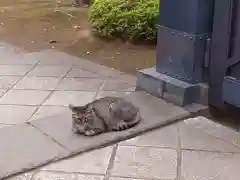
x=184, y=38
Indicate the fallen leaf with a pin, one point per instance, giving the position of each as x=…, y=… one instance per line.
x=76, y=27
x=53, y=41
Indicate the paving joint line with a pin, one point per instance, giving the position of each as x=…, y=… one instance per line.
x=179, y=155
x=64, y=90
x=54, y=140
x=38, y=107
x=111, y=163
x=21, y=77
x=94, y=72
x=35, y=172
x=70, y=68
x=139, y=178
x=48, y=96
x=99, y=90
x=102, y=66
x=42, y=76
x=153, y=147
x=219, y=138
x=56, y=86
x=31, y=105
x=209, y=151
x=28, y=122
x=61, y=78
x=72, y=172
x=75, y=77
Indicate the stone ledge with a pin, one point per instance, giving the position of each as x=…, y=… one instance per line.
x=170, y=89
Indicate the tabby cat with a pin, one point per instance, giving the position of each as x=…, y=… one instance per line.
x=104, y=115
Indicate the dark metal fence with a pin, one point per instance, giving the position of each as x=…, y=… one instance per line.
x=224, y=81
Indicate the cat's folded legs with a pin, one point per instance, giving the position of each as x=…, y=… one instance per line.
x=92, y=132
x=122, y=125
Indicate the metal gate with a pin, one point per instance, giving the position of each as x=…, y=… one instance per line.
x=224, y=74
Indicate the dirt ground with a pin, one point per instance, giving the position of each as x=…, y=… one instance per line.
x=42, y=24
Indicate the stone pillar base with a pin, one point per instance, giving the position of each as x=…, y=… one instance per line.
x=170, y=89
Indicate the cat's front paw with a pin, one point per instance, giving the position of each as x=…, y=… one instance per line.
x=76, y=131
x=91, y=132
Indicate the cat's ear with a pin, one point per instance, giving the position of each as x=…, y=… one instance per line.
x=72, y=107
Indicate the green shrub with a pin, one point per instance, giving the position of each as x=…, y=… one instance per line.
x=133, y=20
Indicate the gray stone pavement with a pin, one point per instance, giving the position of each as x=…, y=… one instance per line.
x=35, y=88
x=33, y=84
x=195, y=149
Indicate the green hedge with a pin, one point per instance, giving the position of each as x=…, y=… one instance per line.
x=132, y=20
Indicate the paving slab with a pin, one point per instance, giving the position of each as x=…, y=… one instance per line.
x=64, y=176
x=214, y=129
x=195, y=139
x=24, y=97
x=209, y=165
x=64, y=98
x=77, y=72
x=49, y=71
x=7, y=82
x=94, y=162
x=18, y=70
x=139, y=162
x=112, y=93
x=57, y=58
x=101, y=70
x=24, y=147
x=125, y=178
x=21, y=58
x=12, y=114
x=121, y=178
x=54, y=57
x=24, y=176
x=152, y=107
x=2, y=92
x=155, y=113
x=48, y=111
x=112, y=85
x=13, y=55
x=167, y=137
x=38, y=83
x=203, y=134
x=80, y=84
x=127, y=78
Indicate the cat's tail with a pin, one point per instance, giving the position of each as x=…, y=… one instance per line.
x=136, y=120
